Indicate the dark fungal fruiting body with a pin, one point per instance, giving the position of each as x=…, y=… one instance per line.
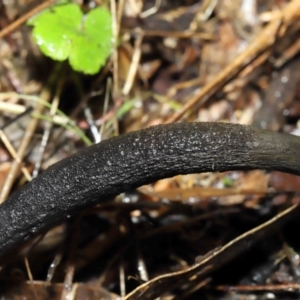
x=99, y=172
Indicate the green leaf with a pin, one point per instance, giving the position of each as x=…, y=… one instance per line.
x=227, y=182
x=62, y=32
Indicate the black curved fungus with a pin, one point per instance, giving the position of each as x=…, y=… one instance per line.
x=123, y=163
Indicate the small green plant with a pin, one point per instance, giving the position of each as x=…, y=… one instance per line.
x=64, y=32
x=227, y=182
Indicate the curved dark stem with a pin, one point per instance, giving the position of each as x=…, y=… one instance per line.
x=125, y=162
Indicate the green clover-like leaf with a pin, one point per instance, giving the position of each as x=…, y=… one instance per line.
x=62, y=32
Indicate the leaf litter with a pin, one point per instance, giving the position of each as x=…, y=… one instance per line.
x=203, y=236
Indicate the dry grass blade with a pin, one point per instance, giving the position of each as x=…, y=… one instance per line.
x=213, y=260
x=276, y=28
x=13, y=26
